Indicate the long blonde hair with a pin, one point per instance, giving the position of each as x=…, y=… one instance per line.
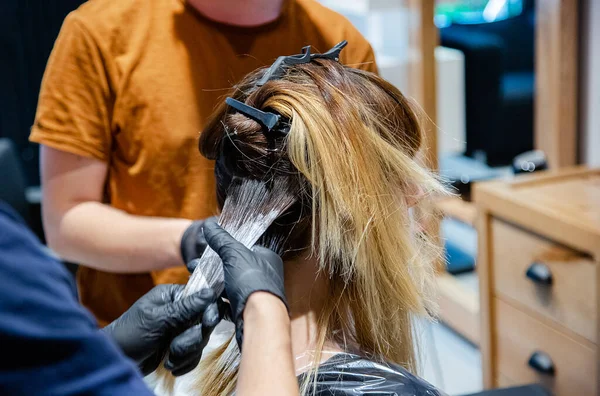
x=352, y=146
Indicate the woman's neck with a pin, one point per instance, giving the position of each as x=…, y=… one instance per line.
x=239, y=12
x=307, y=294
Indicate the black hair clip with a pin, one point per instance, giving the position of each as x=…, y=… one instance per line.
x=274, y=126
x=276, y=70
x=271, y=122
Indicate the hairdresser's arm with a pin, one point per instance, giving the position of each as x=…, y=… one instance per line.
x=267, y=366
x=255, y=289
x=80, y=228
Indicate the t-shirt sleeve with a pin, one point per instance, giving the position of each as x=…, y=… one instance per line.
x=50, y=344
x=75, y=99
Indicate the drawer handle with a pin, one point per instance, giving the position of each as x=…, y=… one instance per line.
x=540, y=274
x=542, y=363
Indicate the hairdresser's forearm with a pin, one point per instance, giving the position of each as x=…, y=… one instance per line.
x=267, y=365
x=102, y=237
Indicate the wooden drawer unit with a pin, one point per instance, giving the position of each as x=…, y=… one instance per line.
x=553, y=280
x=538, y=253
x=530, y=351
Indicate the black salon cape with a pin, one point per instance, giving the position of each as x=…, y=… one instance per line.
x=351, y=375
x=50, y=345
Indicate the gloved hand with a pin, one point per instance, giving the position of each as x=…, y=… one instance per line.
x=246, y=271
x=193, y=242
x=157, y=323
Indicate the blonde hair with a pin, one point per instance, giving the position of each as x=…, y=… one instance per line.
x=352, y=143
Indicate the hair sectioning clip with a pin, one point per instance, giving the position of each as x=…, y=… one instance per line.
x=274, y=125
x=276, y=70
x=269, y=121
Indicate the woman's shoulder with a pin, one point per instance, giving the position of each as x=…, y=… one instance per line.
x=349, y=374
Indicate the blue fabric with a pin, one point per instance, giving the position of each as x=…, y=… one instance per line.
x=50, y=344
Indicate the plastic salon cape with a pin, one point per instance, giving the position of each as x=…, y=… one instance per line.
x=348, y=374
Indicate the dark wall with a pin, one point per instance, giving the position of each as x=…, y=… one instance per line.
x=28, y=29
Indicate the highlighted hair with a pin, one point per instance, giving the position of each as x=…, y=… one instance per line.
x=351, y=148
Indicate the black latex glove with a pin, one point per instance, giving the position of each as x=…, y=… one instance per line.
x=157, y=323
x=193, y=242
x=246, y=271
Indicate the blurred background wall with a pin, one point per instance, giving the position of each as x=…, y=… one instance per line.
x=28, y=29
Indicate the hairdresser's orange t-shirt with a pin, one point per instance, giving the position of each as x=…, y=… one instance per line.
x=131, y=83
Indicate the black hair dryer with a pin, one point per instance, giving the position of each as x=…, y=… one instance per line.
x=529, y=161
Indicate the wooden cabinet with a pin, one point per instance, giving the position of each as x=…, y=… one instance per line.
x=556, y=282
x=539, y=250
x=520, y=337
